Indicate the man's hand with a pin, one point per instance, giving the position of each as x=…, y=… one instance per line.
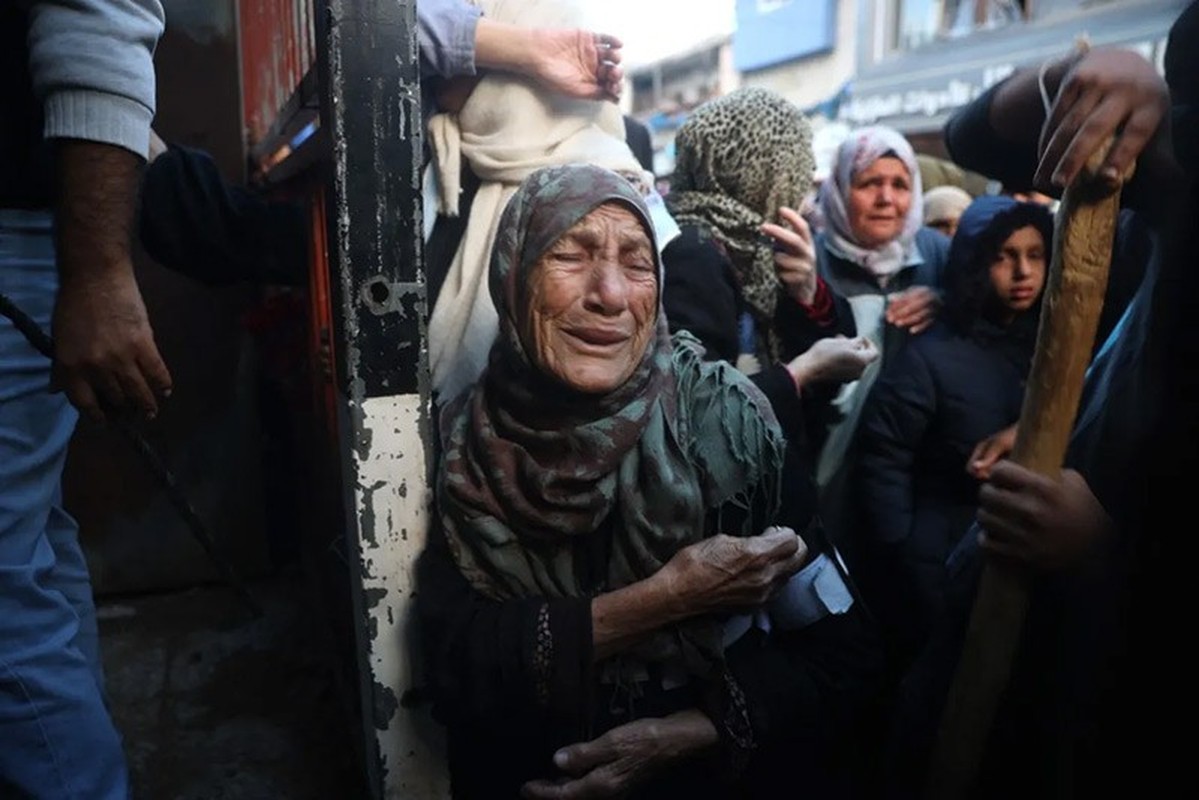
x=728, y=573
x=1108, y=92
x=1044, y=522
x=914, y=308
x=104, y=352
x=991, y=451
x=578, y=63
x=794, y=257
x=624, y=757
x=835, y=359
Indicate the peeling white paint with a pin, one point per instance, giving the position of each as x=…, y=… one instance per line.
x=392, y=491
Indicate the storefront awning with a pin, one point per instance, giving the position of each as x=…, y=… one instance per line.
x=916, y=91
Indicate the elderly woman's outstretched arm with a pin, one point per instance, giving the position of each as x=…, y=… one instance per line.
x=494, y=657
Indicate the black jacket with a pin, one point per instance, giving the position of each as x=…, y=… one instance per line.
x=942, y=394
x=194, y=222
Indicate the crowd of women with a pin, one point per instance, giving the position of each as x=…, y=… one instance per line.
x=716, y=471
x=707, y=472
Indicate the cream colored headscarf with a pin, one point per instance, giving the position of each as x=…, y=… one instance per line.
x=508, y=128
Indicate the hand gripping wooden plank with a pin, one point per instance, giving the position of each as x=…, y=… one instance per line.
x=1082, y=250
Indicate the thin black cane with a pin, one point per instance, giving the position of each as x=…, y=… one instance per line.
x=166, y=479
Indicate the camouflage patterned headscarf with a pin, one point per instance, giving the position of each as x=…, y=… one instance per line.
x=739, y=159
x=530, y=467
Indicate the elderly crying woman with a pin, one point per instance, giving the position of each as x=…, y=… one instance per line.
x=611, y=601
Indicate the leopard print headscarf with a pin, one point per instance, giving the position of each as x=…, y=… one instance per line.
x=740, y=158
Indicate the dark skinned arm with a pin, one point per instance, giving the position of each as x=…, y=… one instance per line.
x=105, y=356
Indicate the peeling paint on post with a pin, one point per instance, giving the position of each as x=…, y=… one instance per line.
x=411, y=747
x=370, y=102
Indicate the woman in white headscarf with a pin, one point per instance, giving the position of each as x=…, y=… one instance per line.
x=507, y=128
x=875, y=255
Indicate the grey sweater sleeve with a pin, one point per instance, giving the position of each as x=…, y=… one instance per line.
x=446, y=33
x=92, y=67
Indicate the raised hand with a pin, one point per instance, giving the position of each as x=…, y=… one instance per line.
x=1108, y=92
x=578, y=63
x=914, y=308
x=794, y=255
x=728, y=573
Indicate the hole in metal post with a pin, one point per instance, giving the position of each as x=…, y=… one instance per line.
x=377, y=294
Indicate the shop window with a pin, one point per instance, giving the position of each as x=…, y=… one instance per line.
x=920, y=22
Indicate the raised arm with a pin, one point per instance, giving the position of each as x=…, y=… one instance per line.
x=456, y=40
x=1005, y=133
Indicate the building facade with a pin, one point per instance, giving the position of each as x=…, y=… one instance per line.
x=662, y=94
x=918, y=60
x=803, y=49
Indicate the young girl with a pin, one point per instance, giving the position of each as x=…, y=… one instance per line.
x=944, y=392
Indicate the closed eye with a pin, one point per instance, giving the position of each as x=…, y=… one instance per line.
x=569, y=256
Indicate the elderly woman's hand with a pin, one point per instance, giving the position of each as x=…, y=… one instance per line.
x=914, y=308
x=794, y=256
x=728, y=573
x=624, y=757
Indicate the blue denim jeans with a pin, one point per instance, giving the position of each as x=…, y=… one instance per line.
x=57, y=740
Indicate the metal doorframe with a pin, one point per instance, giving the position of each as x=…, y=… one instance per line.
x=332, y=102
x=371, y=109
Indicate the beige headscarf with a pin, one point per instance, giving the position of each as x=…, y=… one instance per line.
x=508, y=128
x=945, y=202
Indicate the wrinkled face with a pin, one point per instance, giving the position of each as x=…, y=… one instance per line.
x=879, y=199
x=1018, y=270
x=593, y=301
